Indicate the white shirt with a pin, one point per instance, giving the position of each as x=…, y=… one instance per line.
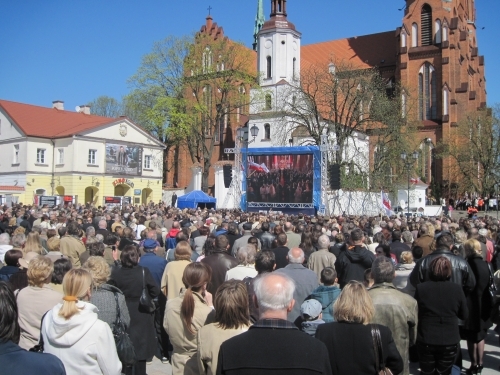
x=240, y=272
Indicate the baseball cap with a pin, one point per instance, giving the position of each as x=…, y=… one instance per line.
x=311, y=307
x=150, y=244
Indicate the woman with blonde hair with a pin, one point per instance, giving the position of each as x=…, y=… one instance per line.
x=33, y=243
x=349, y=339
x=231, y=318
x=104, y=296
x=72, y=331
x=479, y=303
x=185, y=315
x=34, y=300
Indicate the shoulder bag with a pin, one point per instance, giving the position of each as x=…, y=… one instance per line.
x=491, y=283
x=146, y=303
x=124, y=345
x=38, y=348
x=379, y=352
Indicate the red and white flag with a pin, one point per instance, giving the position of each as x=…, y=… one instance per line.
x=386, y=203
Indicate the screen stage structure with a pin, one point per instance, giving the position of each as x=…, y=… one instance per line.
x=284, y=179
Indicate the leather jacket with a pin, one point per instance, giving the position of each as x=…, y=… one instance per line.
x=266, y=240
x=220, y=262
x=461, y=272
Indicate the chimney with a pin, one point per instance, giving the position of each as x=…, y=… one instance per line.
x=58, y=104
x=85, y=109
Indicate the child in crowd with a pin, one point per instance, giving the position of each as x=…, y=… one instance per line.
x=311, y=313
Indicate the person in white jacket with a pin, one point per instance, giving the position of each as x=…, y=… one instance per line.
x=72, y=332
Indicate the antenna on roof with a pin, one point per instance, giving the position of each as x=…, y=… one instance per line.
x=77, y=108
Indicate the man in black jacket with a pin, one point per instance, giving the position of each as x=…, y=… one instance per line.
x=220, y=262
x=352, y=263
x=461, y=273
x=255, y=351
x=266, y=238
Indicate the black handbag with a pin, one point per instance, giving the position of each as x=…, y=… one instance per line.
x=379, y=352
x=124, y=345
x=146, y=303
x=38, y=348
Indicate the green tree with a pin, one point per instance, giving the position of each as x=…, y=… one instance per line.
x=106, y=106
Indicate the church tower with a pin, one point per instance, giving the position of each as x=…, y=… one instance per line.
x=278, y=47
x=259, y=22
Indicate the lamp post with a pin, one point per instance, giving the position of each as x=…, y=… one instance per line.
x=408, y=163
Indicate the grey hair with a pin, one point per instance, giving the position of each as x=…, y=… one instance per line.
x=382, y=270
x=407, y=237
x=293, y=260
x=483, y=232
x=103, y=224
x=89, y=230
x=460, y=237
x=4, y=239
x=246, y=255
x=273, y=297
x=18, y=240
x=323, y=242
x=99, y=238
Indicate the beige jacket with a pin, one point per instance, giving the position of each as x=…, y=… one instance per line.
x=185, y=343
x=72, y=247
x=210, y=338
x=171, y=281
x=319, y=260
x=32, y=303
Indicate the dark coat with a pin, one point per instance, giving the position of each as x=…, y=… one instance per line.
x=280, y=253
x=397, y=248
x=155, y=264
x=461, y=273
x=440, y=306
x=265, y=351
x=7, y=271
x=350, y=348
x=142, y=329
x=17, y=361
x=266, y=239
x=352, y=263
x=220, y=262
x=479, y=300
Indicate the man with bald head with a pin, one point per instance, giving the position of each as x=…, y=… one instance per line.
x=255, y=351
x=305, y=280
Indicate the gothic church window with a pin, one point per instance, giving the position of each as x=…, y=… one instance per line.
x=414, y=35
x=269, y=69
x=438, y=36
x=207, y=60
x=446, y=101
x=427, y=98
x=426, y=25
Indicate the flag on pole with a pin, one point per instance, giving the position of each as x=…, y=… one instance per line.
x=386, y=203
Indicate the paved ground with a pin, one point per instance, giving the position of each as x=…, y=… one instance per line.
x=491, y=359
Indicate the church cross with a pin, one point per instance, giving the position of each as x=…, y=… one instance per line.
x=209, y=9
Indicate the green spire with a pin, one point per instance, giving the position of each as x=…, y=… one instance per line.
x=259, y=22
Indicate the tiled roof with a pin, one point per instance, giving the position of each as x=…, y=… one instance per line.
x=11, y=188
x=50, y=122
x=363, y=52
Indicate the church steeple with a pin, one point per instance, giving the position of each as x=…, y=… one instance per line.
x=278, y=8
x=259, y=22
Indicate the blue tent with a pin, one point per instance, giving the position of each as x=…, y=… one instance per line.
x=195, y=199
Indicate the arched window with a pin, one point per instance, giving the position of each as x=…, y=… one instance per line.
x=426, y=25
x=269, y=102
x=403, y=38
x=437, y=31
x=445, y=33
x=269, y=68
x=294, y=67
x=207, y=60
x=267, y=131
x=279, y=6
x=446, y=101
x=403, y=105
x=427, y=100
x=414, y=35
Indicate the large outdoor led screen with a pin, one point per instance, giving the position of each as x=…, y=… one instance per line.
x=123, y=159
x=280, y=178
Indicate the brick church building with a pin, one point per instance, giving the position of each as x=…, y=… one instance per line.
x=433, y=53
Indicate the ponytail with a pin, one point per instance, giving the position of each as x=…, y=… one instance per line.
x=187, y=310
x=195, y=276
x=76, y=283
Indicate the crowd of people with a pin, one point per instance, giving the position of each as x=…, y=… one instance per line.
x=96, y=290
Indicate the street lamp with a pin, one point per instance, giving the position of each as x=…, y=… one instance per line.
x=408, y=163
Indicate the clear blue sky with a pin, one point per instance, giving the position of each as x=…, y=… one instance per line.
x=76, y=50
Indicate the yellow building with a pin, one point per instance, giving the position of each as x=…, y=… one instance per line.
x=75, y=156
